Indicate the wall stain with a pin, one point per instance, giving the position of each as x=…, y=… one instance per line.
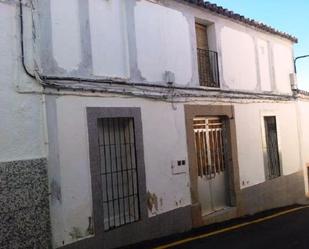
x=152, y=201
x=76, y=233
x=90, y=229
x=55, y=191
x=161, y=202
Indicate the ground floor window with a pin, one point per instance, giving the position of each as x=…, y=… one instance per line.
x=117, y=168
x=118, y=171
x=271, y=136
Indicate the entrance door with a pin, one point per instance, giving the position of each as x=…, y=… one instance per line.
x=210, y=144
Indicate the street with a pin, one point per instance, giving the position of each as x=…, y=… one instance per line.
x=282, y=230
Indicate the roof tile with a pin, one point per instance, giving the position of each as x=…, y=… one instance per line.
x=230, y=14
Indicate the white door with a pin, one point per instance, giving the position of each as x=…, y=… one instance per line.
x=210, y=140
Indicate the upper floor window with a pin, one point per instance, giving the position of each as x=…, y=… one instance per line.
x=207, y=59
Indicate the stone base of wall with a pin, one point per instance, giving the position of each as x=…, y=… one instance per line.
x=279, y=192
x=24, y=205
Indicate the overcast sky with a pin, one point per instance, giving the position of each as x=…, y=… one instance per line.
x=286, y=15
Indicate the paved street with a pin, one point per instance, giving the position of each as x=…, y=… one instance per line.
x=287, y=231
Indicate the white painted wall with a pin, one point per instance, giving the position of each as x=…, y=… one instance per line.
x=168, y=47
x=21, y=129
x=163, y=43
x=164, y=141
x=303, y=114
x=66, y=39
x=249, y=128
x=264, y=60
x=238, y=59
x=283, y=65
x=108, y=38
x=246, y=55
x=249, y=59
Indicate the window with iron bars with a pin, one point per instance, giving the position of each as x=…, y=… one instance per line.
x=271, y=137
x=118, y=172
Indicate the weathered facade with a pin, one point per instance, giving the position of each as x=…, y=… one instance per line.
x=119, y=118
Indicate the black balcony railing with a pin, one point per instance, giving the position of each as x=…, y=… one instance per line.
x=208, y=68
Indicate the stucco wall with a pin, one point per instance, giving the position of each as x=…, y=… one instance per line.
x=24, y=199
x=108, y=38
x=249, y=125
x=283, y=65
x=67, y=49
x=303, y=113
x=164, y=141
x=66, y=34
x=238, y=59
x=264, y=59
x=163, y=43
x=21, y=126
x=147, y=39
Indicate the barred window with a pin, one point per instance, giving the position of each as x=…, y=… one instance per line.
x=118, y=172
x=271, y=136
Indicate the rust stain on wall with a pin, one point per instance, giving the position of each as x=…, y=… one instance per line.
x=152, y=201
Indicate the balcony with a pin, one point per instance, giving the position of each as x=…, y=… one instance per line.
x=208, y=68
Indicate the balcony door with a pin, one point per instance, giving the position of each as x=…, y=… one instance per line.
x=207, y=59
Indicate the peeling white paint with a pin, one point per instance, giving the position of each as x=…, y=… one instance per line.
x=108, y=32
x=167, y=143
x=66, y=33
x=163, y=43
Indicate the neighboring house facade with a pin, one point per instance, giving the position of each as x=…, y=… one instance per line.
x=121, y=118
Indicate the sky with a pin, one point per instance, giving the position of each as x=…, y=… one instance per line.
x=285, y=15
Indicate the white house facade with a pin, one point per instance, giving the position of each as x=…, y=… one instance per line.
x=120, y=117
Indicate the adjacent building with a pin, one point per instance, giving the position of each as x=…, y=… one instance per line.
x=127, y=120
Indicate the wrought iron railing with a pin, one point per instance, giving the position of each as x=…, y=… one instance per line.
x=208, y=68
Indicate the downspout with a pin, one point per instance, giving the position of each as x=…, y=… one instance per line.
x=36, y=78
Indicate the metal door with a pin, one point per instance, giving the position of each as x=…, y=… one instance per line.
x=210, y=144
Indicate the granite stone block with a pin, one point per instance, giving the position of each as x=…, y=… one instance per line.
x=24, y=205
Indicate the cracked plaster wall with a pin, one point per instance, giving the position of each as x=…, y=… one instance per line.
x=21, y=125
x=146, y=39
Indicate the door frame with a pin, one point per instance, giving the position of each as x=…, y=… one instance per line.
x=233, y=185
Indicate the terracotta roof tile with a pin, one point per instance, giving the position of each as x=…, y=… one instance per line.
x=230, y=14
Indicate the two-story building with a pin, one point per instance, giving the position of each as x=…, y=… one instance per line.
x=127, y=120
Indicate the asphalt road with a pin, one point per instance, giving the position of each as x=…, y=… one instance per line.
x=287, y=231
